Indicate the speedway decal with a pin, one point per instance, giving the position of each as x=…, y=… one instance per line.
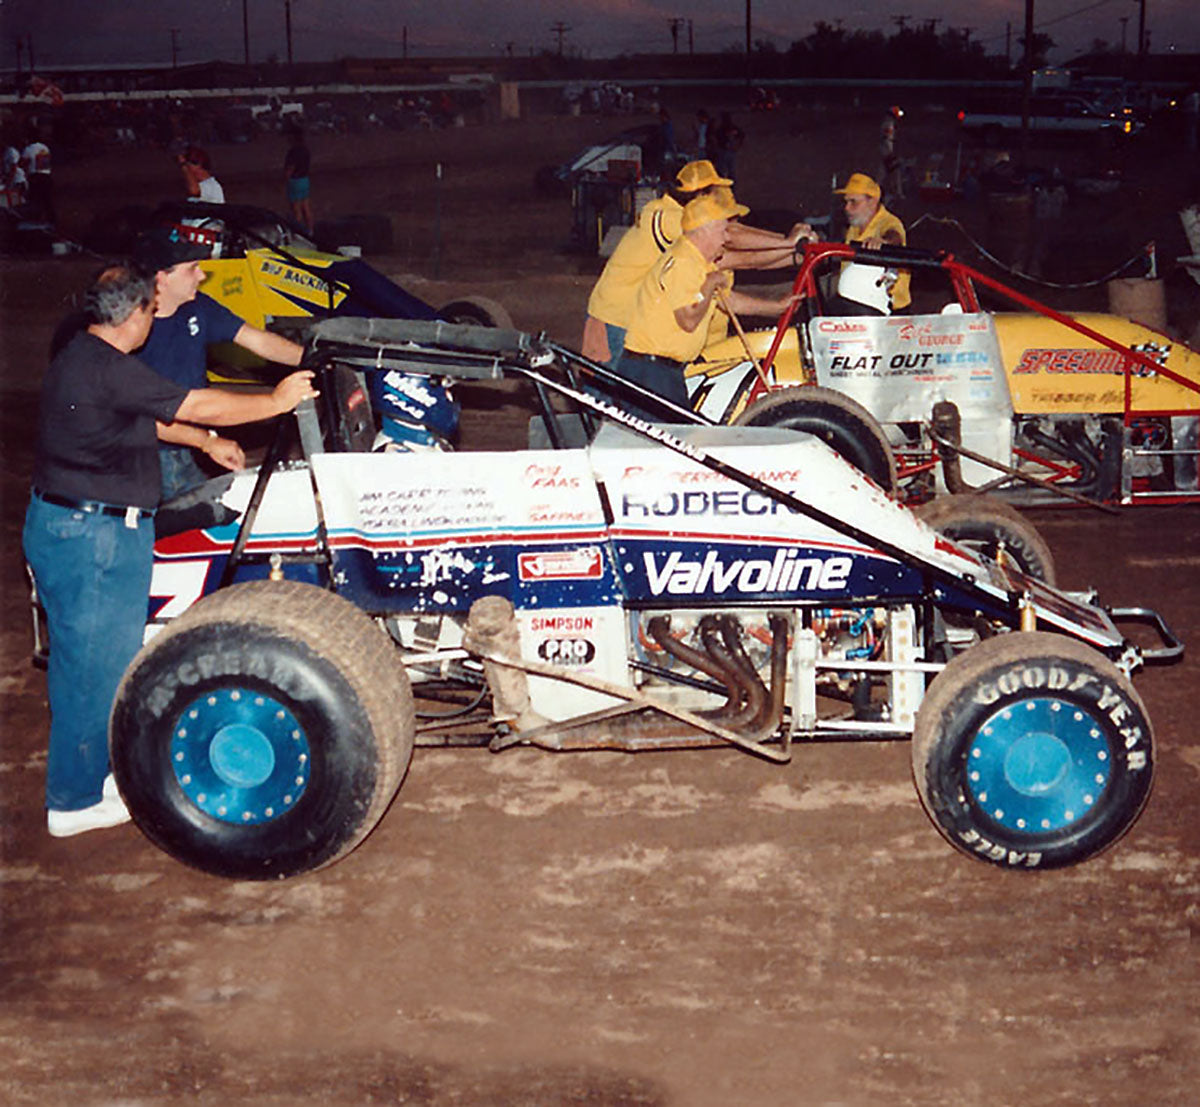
x=1040, y=360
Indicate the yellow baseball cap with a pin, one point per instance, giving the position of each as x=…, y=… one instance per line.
x=718, y=204
x=697, y=175
x=859, y=184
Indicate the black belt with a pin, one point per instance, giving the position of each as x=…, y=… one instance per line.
x=93, y=507
x=658, y=359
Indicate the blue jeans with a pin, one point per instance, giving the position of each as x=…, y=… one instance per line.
x=616, y=341
x=664, y=379
x=93, y=578
x=180, y=470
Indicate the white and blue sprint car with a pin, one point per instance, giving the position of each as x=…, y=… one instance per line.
x=623, y=585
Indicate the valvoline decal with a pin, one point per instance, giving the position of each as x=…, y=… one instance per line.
x=663, y=570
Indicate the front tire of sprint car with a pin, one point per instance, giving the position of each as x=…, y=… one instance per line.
x=264, y=732
x=1032, y=750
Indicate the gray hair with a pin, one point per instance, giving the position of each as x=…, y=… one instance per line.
x=116, y=293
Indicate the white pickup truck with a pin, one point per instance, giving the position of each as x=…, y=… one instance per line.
x=993, y=118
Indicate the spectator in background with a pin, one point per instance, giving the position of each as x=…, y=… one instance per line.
x=198, y=178
x=666, y=139
x=702, y=135
x=728, y=141
x=14, y=186
x=35, y=161
x=296, y=165
x=889, y=161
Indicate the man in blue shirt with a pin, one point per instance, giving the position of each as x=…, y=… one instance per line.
x=186, y=323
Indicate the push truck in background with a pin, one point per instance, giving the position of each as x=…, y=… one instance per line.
x=653, y=588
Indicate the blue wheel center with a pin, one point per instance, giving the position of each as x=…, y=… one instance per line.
x=241, y=755
x=1036, y=764
x=1039, y=765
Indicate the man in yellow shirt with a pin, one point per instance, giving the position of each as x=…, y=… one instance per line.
x=872, y=225
x=657, y=227
x=675, y=303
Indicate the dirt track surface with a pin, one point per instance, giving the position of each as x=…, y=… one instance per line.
x=654, y=929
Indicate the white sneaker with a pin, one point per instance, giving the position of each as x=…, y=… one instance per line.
x=110, y=811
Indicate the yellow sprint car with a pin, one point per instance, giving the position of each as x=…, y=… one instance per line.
x=1039, y=405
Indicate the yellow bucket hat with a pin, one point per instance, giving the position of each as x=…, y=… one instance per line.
x=697, y=175
x=718, y=204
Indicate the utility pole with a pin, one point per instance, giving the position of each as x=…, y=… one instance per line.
x=1141, y=30
x=748, y=25
x=245, y=32
x=174, y=47
x=691, y=38
x=559, y=29
x=287, y=18
x=1008, y=44
x=1122, y=19
x=1027, y=93
x=900, y=21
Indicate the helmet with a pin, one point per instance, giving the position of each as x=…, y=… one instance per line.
x=417, y=413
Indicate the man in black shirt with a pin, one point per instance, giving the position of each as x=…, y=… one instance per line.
x=89, y=529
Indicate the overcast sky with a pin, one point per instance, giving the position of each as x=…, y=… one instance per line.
x=67, y=32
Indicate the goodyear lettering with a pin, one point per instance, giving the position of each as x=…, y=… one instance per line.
x=990, y=849
x=730, y=501
x=1006, y=684
x=786, y=572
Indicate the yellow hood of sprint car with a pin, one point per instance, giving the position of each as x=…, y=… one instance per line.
x=1053, y=369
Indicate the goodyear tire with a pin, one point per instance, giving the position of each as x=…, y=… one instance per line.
x=994, y=529
x=479, y=310
x=264, y=732
x=1032, y=750
x=837, y=420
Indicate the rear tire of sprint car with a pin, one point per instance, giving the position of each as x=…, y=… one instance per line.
x=481, y=311
x=1032, y=750
x=994, y=529
x=840, y=422
x=264, y=732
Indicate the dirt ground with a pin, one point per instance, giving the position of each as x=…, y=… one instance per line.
x=655, y=929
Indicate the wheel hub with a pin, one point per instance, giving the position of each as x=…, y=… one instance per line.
x=240, y=756
x=1038, y=765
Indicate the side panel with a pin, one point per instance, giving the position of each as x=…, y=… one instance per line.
x=417, y=532
x=899, y=366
